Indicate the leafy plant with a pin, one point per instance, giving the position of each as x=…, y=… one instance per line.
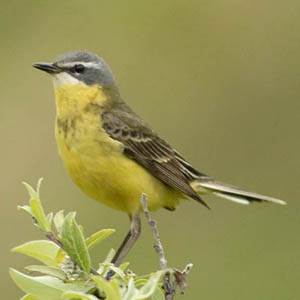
x=66, y=271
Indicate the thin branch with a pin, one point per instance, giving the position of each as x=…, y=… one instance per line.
x=179, y=277
x=158, y=246
x=169, y=293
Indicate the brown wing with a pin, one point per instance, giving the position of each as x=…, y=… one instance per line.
x=149, y=150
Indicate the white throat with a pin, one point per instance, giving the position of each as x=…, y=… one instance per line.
x=63, y=79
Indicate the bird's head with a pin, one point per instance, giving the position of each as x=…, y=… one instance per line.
x=80, y=79
x=78, y=67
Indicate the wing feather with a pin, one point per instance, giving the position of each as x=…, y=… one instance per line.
x=144, y=146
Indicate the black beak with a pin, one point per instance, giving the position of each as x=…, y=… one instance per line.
x=47, y=67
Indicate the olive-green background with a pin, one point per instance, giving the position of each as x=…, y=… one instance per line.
x=220, y=80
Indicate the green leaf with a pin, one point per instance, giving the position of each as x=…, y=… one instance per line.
x=49, y=219
x=59, y=220
x=97, y=237
x=74, y=243
x=48, y=270
x=36, y=209
x=149, y=288
x=110, y=288
x=158, y=294
x=131, y=292
x=117, y=271
x=39, y=187
x=124, y=266
x=109, y=256
x=26, y=208
x=29, y=297
x=139, y=282
x=39, y=214
x=60, y=256
x=44, y=251
x=78, y=295
x=45, y=287
x=32, y=193
x=103, y=266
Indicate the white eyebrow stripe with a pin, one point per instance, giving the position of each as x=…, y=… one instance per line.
x=86, y=64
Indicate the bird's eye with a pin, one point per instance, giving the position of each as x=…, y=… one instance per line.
x=79, y=68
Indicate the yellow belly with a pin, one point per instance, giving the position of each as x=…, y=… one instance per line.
x=98, y=166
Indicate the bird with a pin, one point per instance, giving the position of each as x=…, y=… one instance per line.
x=113, y=155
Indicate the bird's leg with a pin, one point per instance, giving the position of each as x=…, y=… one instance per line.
x=130, y=239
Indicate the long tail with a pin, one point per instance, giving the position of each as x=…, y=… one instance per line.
x=207, y=185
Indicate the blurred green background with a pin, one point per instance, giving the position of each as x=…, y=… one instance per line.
x=219, y=80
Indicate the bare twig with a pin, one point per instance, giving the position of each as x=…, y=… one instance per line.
x=158, y=246
x=179, y=277
x=52, y=237
x=159, y=249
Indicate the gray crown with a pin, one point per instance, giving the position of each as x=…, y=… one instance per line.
x=96, y=71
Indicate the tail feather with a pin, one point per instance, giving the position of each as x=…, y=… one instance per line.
x=232, y=193
x=236, y=199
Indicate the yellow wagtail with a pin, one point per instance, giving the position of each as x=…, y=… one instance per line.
x=113, y=155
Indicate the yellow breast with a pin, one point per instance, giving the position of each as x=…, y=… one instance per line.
x=96, y=162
